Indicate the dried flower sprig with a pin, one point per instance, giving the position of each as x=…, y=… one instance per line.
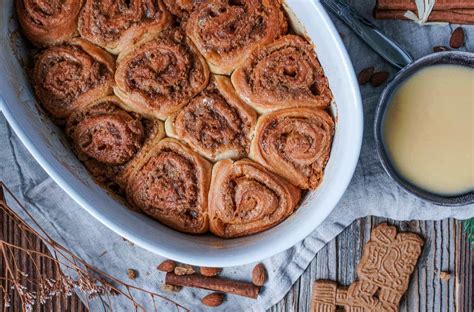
x=424, y=8
x=69, y=274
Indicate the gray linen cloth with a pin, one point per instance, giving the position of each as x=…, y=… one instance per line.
x=371, y=192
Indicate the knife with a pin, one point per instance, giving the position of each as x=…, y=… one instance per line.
x=368, y=32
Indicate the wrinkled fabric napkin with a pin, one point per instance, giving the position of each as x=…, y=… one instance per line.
x=371, y=192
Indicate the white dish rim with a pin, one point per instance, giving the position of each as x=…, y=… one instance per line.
x=50, y=165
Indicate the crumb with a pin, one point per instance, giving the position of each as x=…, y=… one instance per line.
x=170, y=288
x=132, y=274
x=444, y=276
x=184, y=269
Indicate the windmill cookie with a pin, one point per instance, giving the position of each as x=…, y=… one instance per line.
x=384, y=271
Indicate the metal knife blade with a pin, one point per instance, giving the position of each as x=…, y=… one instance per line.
x=371, y=34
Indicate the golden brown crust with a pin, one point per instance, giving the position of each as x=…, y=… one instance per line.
x=159, y=76
x=72, y=75
x=216, y=123
x=114, y=25
x=225, y=32
x=295, y=143
x=285, y=73
x=245, y=198
x=171, y=184
x=108, y=139
x=48, y=22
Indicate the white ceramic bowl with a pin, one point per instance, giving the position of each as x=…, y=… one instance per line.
x=47, y=144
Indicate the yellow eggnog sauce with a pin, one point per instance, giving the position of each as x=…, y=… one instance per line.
x=429, y=129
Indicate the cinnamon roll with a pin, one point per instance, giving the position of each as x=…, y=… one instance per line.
x=181, y=8
x=71, y=75
x=285, y=73
x=171, y=184
x=216, y=123
x=158, y=77
x=245, y=198
x=295, y=143
x=48, y=22
x=107, y=138
x=225, y=31
x=117, y=24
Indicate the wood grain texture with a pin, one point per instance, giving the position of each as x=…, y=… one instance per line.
x=446, y=249
x=10, y=232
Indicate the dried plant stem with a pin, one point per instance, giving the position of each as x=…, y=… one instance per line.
x=24, y=253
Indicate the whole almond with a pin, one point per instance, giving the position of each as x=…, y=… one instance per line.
x=213, y=300
x=184, y=269
x=379, y=78
x=457, y=38
x=167, y=266
x=364, y=75
x=206, y=271
x=259, y=275
x=440, y=49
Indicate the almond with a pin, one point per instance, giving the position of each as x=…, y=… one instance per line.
x=184, y=269
x=259, y=275
x=440, y=49
x=457, y=38
x=206, y=271
x=213, y=300
x=167, y=266
x=379, y=78
x=364, y=76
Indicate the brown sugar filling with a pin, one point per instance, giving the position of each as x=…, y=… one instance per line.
x=167, y=185
x=211, y=122
x=107, y=20
x=165, y=69
x=66, y=72
x=108, y=134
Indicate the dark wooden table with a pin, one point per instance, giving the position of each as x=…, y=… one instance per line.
x=446, y=250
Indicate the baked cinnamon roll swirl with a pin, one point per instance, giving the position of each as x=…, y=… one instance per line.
x=216, y=123
x=245, y=198
x=117, y=24
x=48, y=22
x=108, y=139
x=181, y=8
x=171, y=184
x=71, y=75
x=285, y=73
x=226, y=31
x=295, y=143
x=160, y=76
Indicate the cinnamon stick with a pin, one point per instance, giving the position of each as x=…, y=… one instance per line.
x=452, y=11
x=440, y=5
x=214, y=283
x=458, y=16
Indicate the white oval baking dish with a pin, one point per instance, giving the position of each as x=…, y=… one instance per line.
x=47, y=144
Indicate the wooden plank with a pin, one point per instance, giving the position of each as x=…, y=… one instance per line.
x=446, y=249
x=10, y=232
